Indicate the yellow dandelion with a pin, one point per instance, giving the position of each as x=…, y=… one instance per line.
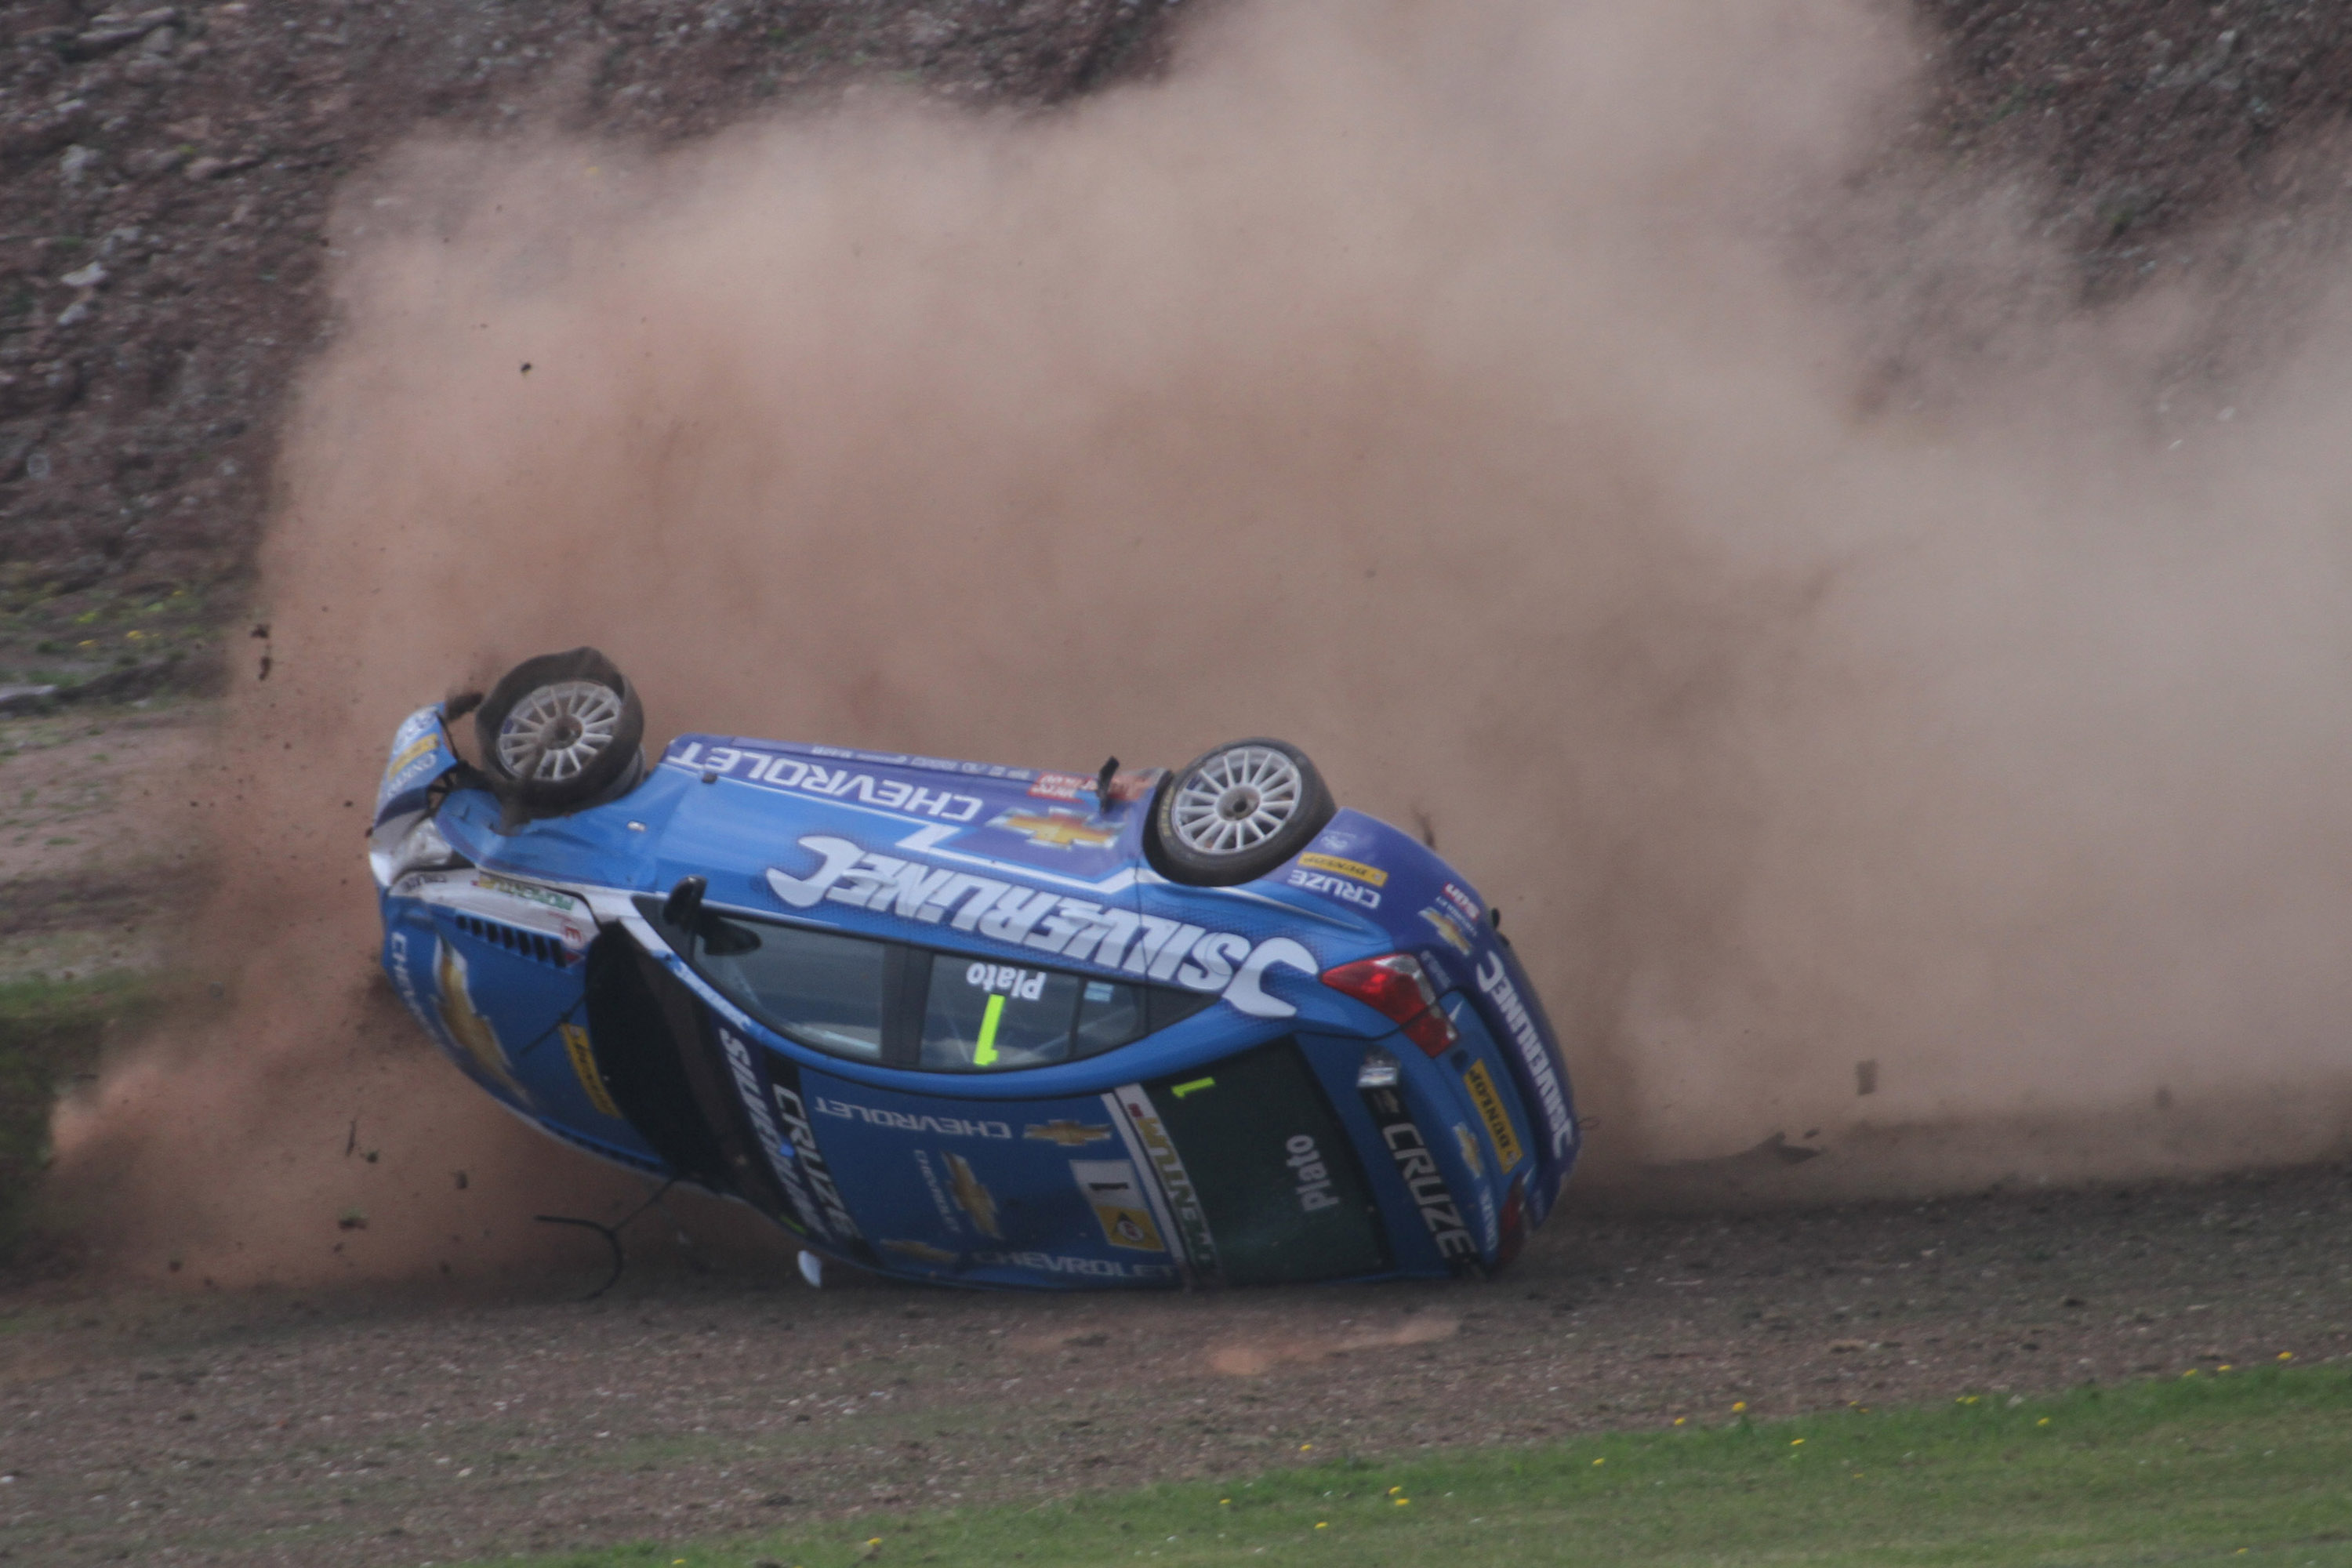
x=1680, y=1419
x=2044, y=1422
x=1600, y=1461
x=2191, y=1373
x=1224, y=1502
x=1304, y=1447
x=1322, y=1524
x=1796, y=1441
x=2286, y=1355
x=1394, y=1491
x=2224, y=1367
x=1739, y=1406
x=1403, y=1501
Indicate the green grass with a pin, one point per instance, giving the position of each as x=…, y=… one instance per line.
x=49, y=1030
x=2247, y=1467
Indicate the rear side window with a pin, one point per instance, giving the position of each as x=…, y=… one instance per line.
x=984, y=1016
x=913, y=1007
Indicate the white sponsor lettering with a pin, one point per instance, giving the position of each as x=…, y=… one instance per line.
x=835, y=1213
x=775, y=771
x=763, y=1126
x=1021, y=984
x=1497, y=983
x=405, y=982
x=1423, y=1180
x=1338, y=887
x=1314, y=1176
x=1191, y=1221
x=1079, y=930
x=909, y=1121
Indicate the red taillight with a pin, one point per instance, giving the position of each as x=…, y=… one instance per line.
x=1399, y=988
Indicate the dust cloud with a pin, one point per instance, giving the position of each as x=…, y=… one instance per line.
x=1823, y=646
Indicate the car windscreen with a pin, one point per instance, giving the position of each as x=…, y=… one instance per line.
x=1275, y=1172
x=902, y=1006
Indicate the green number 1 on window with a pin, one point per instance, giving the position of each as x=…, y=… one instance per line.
x=984, y=1054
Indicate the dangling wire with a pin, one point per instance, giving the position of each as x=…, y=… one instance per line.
x=612, y=1234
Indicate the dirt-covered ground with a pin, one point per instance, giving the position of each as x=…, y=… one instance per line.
x=268, y=1429
x=165, y=174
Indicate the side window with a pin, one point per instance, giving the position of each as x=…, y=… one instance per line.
x=821, y=988
x=997, y=1015
x=982, y=1016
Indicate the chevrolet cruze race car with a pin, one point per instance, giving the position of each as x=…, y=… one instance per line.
x=967, y=1024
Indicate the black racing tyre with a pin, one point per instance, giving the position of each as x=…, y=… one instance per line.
x=1235, y=813
x=562, y=732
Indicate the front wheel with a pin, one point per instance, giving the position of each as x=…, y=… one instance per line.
x=1235, y=813
x=562, y=732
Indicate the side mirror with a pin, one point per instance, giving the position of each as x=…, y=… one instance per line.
x=684, y=903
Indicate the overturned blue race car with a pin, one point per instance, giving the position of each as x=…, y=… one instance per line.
x=974, y=1024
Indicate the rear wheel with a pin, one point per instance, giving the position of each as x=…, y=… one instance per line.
x=1235, y=813
x=562, y=732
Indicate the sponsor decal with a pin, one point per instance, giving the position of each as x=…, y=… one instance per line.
x=1465, y=905
x=474, y=1035
x=529, y=893
x=583, y=1068
x=419, y=747
x=1078, y=931
x=396, y=949
x=1111, y=1189
x=1092, y=1267
x=1078, y=787
x=1313, y=1177
x=1468, y=1142
x=1004, y=980
x=1487, y=1217
x=1491, y=1111
x=415, y=746
x=1442, y=922
x=909, y=1122
x=972, y=1196
x=920, y=1252
x=949, y=1215
x=832, y=1212
x=1180, y=1205
x=1058, y=829
x=1495, y=982
x=1422, y=1179
x=525, y=906
x=1332, y=886
x=1068, y=1134
x=780, y=1125
x=1356, y=870
x=790, y=775
x=780, y=1163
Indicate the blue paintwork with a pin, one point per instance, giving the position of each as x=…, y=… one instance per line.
x=983, y=1191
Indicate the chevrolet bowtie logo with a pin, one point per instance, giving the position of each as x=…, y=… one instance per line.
x=1059, y=829
x=1068, y=1134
